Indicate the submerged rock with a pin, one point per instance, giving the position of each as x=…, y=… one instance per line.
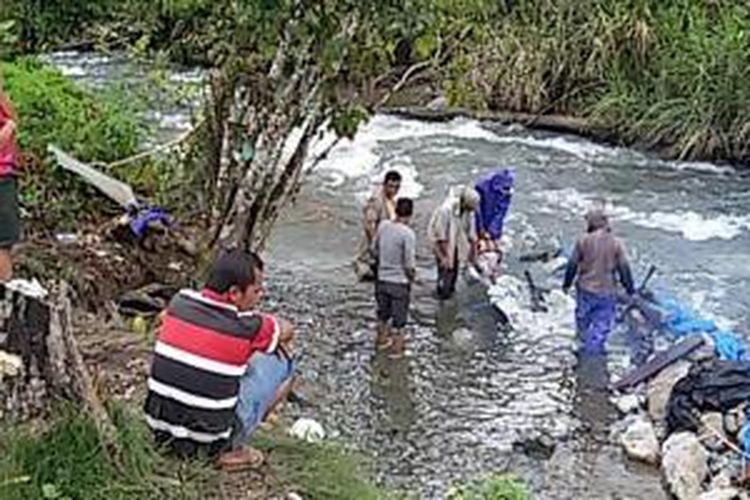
x=660, y=388
x=685, y=465
x=540, y=447
x=639, y=441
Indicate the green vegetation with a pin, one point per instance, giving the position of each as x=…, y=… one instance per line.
x=317, y=471
x=657, y=73
x=661, y=74
x=67, y=461
x=500, y=487
x=52, y=109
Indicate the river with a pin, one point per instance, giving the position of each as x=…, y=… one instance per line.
x=457, y=408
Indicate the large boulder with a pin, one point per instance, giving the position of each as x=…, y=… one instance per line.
x=684, y=464
x=640, y=442
x=660, y=388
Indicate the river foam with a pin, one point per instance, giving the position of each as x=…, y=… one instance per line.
x=691, y=225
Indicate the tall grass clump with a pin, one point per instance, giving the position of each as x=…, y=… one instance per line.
x=496, y=487
x=67, y=461
x=318, y=471
x=661, y=74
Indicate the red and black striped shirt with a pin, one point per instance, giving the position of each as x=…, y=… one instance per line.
x=200, y=354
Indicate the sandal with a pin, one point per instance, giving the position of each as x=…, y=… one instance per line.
x=240, y=459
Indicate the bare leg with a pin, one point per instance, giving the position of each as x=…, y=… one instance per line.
x=383, y=340
x=281, y=396
x=398, y=344
x=6, y=265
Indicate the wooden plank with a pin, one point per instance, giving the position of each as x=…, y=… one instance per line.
x=660, y=361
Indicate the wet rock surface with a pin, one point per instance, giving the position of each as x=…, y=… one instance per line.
x=660, y=388
x=685, y=465
x=640, y=442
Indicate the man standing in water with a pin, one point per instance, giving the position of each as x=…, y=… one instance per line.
x=454, y=217
x=381, y=206
x=597, y=257
x=394, y=249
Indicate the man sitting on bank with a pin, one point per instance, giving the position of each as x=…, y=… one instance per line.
x=218, y=367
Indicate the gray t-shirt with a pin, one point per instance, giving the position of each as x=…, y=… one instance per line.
x=395, y=249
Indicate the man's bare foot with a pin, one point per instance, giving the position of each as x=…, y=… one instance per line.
x=241, y=459
x=398, y=346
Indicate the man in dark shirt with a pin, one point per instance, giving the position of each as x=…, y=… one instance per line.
x=597, y=257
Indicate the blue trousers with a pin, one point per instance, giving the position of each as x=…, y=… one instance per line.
x=259, y=387
x=595, y=317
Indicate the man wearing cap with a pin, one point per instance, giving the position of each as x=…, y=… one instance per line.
x=597, y=257
x=452, y=219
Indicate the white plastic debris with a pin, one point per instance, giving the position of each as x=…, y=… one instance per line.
x=308, y=430
x=10, y=364
x=29, y=288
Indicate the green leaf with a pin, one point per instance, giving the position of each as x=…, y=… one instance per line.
x=247, y=152
x=425, y=45
x=50, y=492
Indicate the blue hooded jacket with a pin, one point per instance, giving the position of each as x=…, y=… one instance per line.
x=496, y=191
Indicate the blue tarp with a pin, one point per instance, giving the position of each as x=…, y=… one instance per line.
x=495, y=190
x=142, y=215
x=679, y=320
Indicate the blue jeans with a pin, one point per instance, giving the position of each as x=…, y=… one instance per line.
x=259, y=387
x=595, y=317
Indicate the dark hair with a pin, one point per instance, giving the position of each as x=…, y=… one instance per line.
x=392, y=176
x=234, y=268
x=404, y=207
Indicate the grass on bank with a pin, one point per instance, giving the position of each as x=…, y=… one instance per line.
x=67, y=462
x=496, y=487
x=318, y=471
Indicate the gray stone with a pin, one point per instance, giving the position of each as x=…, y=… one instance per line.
x=440, y=102
x=722, y=494
x=721, y=480
x=639, y=441
x=705, y=352
x=735, y=420
x=684, y=464
x=628, y=403
x=712, y=431
x=660, y=388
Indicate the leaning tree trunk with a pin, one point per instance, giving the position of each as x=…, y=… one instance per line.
x=259, y=167
x=40, y=364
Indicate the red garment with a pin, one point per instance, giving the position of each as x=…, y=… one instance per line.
x=9, y=148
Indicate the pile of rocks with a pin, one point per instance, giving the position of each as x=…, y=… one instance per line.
x=703, y=465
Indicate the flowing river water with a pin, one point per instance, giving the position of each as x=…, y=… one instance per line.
x=472, y=399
